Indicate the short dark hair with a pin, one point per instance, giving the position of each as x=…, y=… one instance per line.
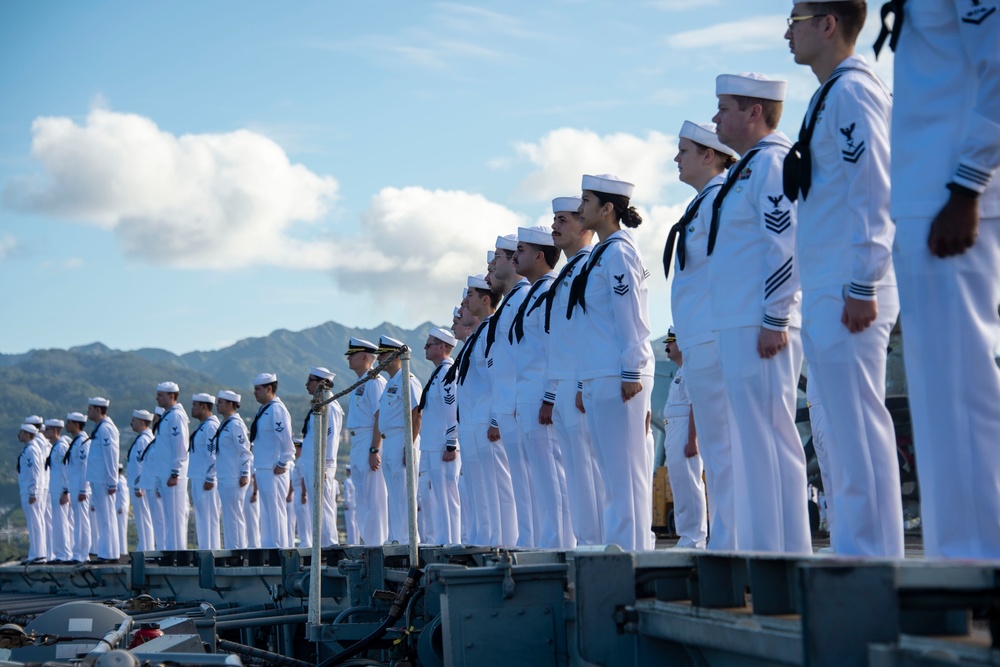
x=494, y=296
x=623, y=211
x=850, y=16
x=549, y=253
x=770, y=109
x=726, y=159
x=272, y=385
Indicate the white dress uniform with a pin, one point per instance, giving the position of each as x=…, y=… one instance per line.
x=390, y=421
x=501, y=359
x=335, y=422
x=76, y=472
x=372, y=507
x=754, y=282
x=102, y=473
x=818, y=426
x=946, y=129
x=350, y=513
x=691, y=305
x=30, y=480
x=614, y=348
x=145, y=539
x=169, y=453
x=299, y=514
x=690, y=518
x=470, y=483
x=252, y=513
x=543, y=457
x=149, y=482
x=122, y=504
x=202, y=469
x=272, y=447
x=584, y=480
x=61, y=527
x=844, y=243
x=233, y=460
x=438, y=431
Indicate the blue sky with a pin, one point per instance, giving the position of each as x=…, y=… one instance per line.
x=183, y=175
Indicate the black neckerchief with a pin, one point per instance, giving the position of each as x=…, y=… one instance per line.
x=517, y=326
x=578, y=290
x=427, y=387
x=731, y=179
x=550, y=296
x=260, y=413
x=128, y=456
x=215, y=438
x=894, y=7
x=76, y=438
x=191, y=437
x=491, y=335
x=680, y=230
x=471, y=344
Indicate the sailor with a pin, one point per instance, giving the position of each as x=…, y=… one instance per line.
x=30, y=473
x=820, y=434
x=946, y=206
x=755, y=301
x=75, y=461
x=122, y=503
x=203, y=472
x=322, y=377
x=535, y=259
x=148, y=482
x=615, y=359
x=371, y=504
x=684, y=466
x=501, y=359
x=496, y=517
x=252, y=510
x=170, y=458
x=46, y=506
x=389, y=421
x=470, y=480
x=102, y=473
x=297, y=502
x=702, y=161
x=233, y=467
x=350, y=513
x=439, y=450
x=141, y=423
x=60, y=541
x=271, y=435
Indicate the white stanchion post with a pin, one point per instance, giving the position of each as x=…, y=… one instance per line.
x=411, y=471
x=319, y=427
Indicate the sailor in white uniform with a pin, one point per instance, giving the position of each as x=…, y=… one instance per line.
x=319, y=375
x=122, y=504
x=60, y=541
x=102, y=473
x=271, y=435
x=371, y=504
x=233, y=467
x=252, y=510
x=169, y=452
x=149, y=483
x=43, y=499
x=30, y=473
x=946, y=205
x=350, y=514
x=535, y=259
x=141, y=420
x=439, y=444
x=75, y=460
x=390, y=423
x=702, y=161
x=684, y=466
x=464, y=325
x=203, y=472
x=297, y=502
x=615, y=358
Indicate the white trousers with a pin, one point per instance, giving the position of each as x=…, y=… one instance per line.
x=122, y=518
x=441, y=500
x=329, y=500
x=848, y=374
x=47, y=518
x=500, y=525
x=717, y=433
x=769, y=458
x=299, y=521
x=469, y=485
x=949, y=315
x=510, y=436
x=690, y=517
x=618, y=429
x=351, y=524
x=207, y=507
x=547, y=480
x=271, y=492
x=61, y=533
x=232, y=498
x=584, y=481
x=174, y=500
x=154, y=501
x=371, y=495
x=817, y=422
x=143, y=521
x=81, y=527
x=34, y=514
x=105, y=517
x=395, y=483
x=252, y=517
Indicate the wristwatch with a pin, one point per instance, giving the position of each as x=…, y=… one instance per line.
x=373, y=450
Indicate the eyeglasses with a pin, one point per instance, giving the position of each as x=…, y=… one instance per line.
x=427, y=345
x=792, y=20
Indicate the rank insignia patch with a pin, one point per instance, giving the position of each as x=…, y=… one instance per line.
x=854, y=151
x=978, y=13
x=621, y=289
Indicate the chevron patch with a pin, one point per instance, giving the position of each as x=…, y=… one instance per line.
x=489, y=363
x=978, y=14
x=778, y=222
x=854, y=154
x=449, y=399
x=778, y=278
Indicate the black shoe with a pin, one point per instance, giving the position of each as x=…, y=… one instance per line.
x=37, y=561
x=106, y=561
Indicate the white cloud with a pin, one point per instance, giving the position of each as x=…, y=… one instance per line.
x=564, y=155
x=222, y=201
x=8, y=244
x=756, y=33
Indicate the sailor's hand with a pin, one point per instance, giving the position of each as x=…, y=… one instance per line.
x=449, y=456
x=375, y=460
x=493, y=433
x=278, y=470
x=244, y=481
x=770, y=343
x=858, y=314
x=630, y=389
x=208, y=486
x=956, y=227
x=579, y=402
x=545, y=414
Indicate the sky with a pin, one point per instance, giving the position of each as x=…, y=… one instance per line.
x=183, y=175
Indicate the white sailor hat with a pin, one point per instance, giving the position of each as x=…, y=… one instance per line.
x=704, y=134
x=608, y=184
x=479, y=282
x=55, y=423
x=671, y=336
x=751, y=84
x=457, y=312
x=387, y=344
x=78, y=417
x=99, y=401
x=170, y=387
x=348, y=467
x=34, y=420
x=537, y=235
x=144, y=415
x=490, y=255
x=230, y=396
x=203, y=398
x=29, y=428
x=443, y=335
x=322, y=373
x=159, y=411
x=297, y=441
x=566, y=204
x=507, y=242
x=264, y=378
x=360, y=345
